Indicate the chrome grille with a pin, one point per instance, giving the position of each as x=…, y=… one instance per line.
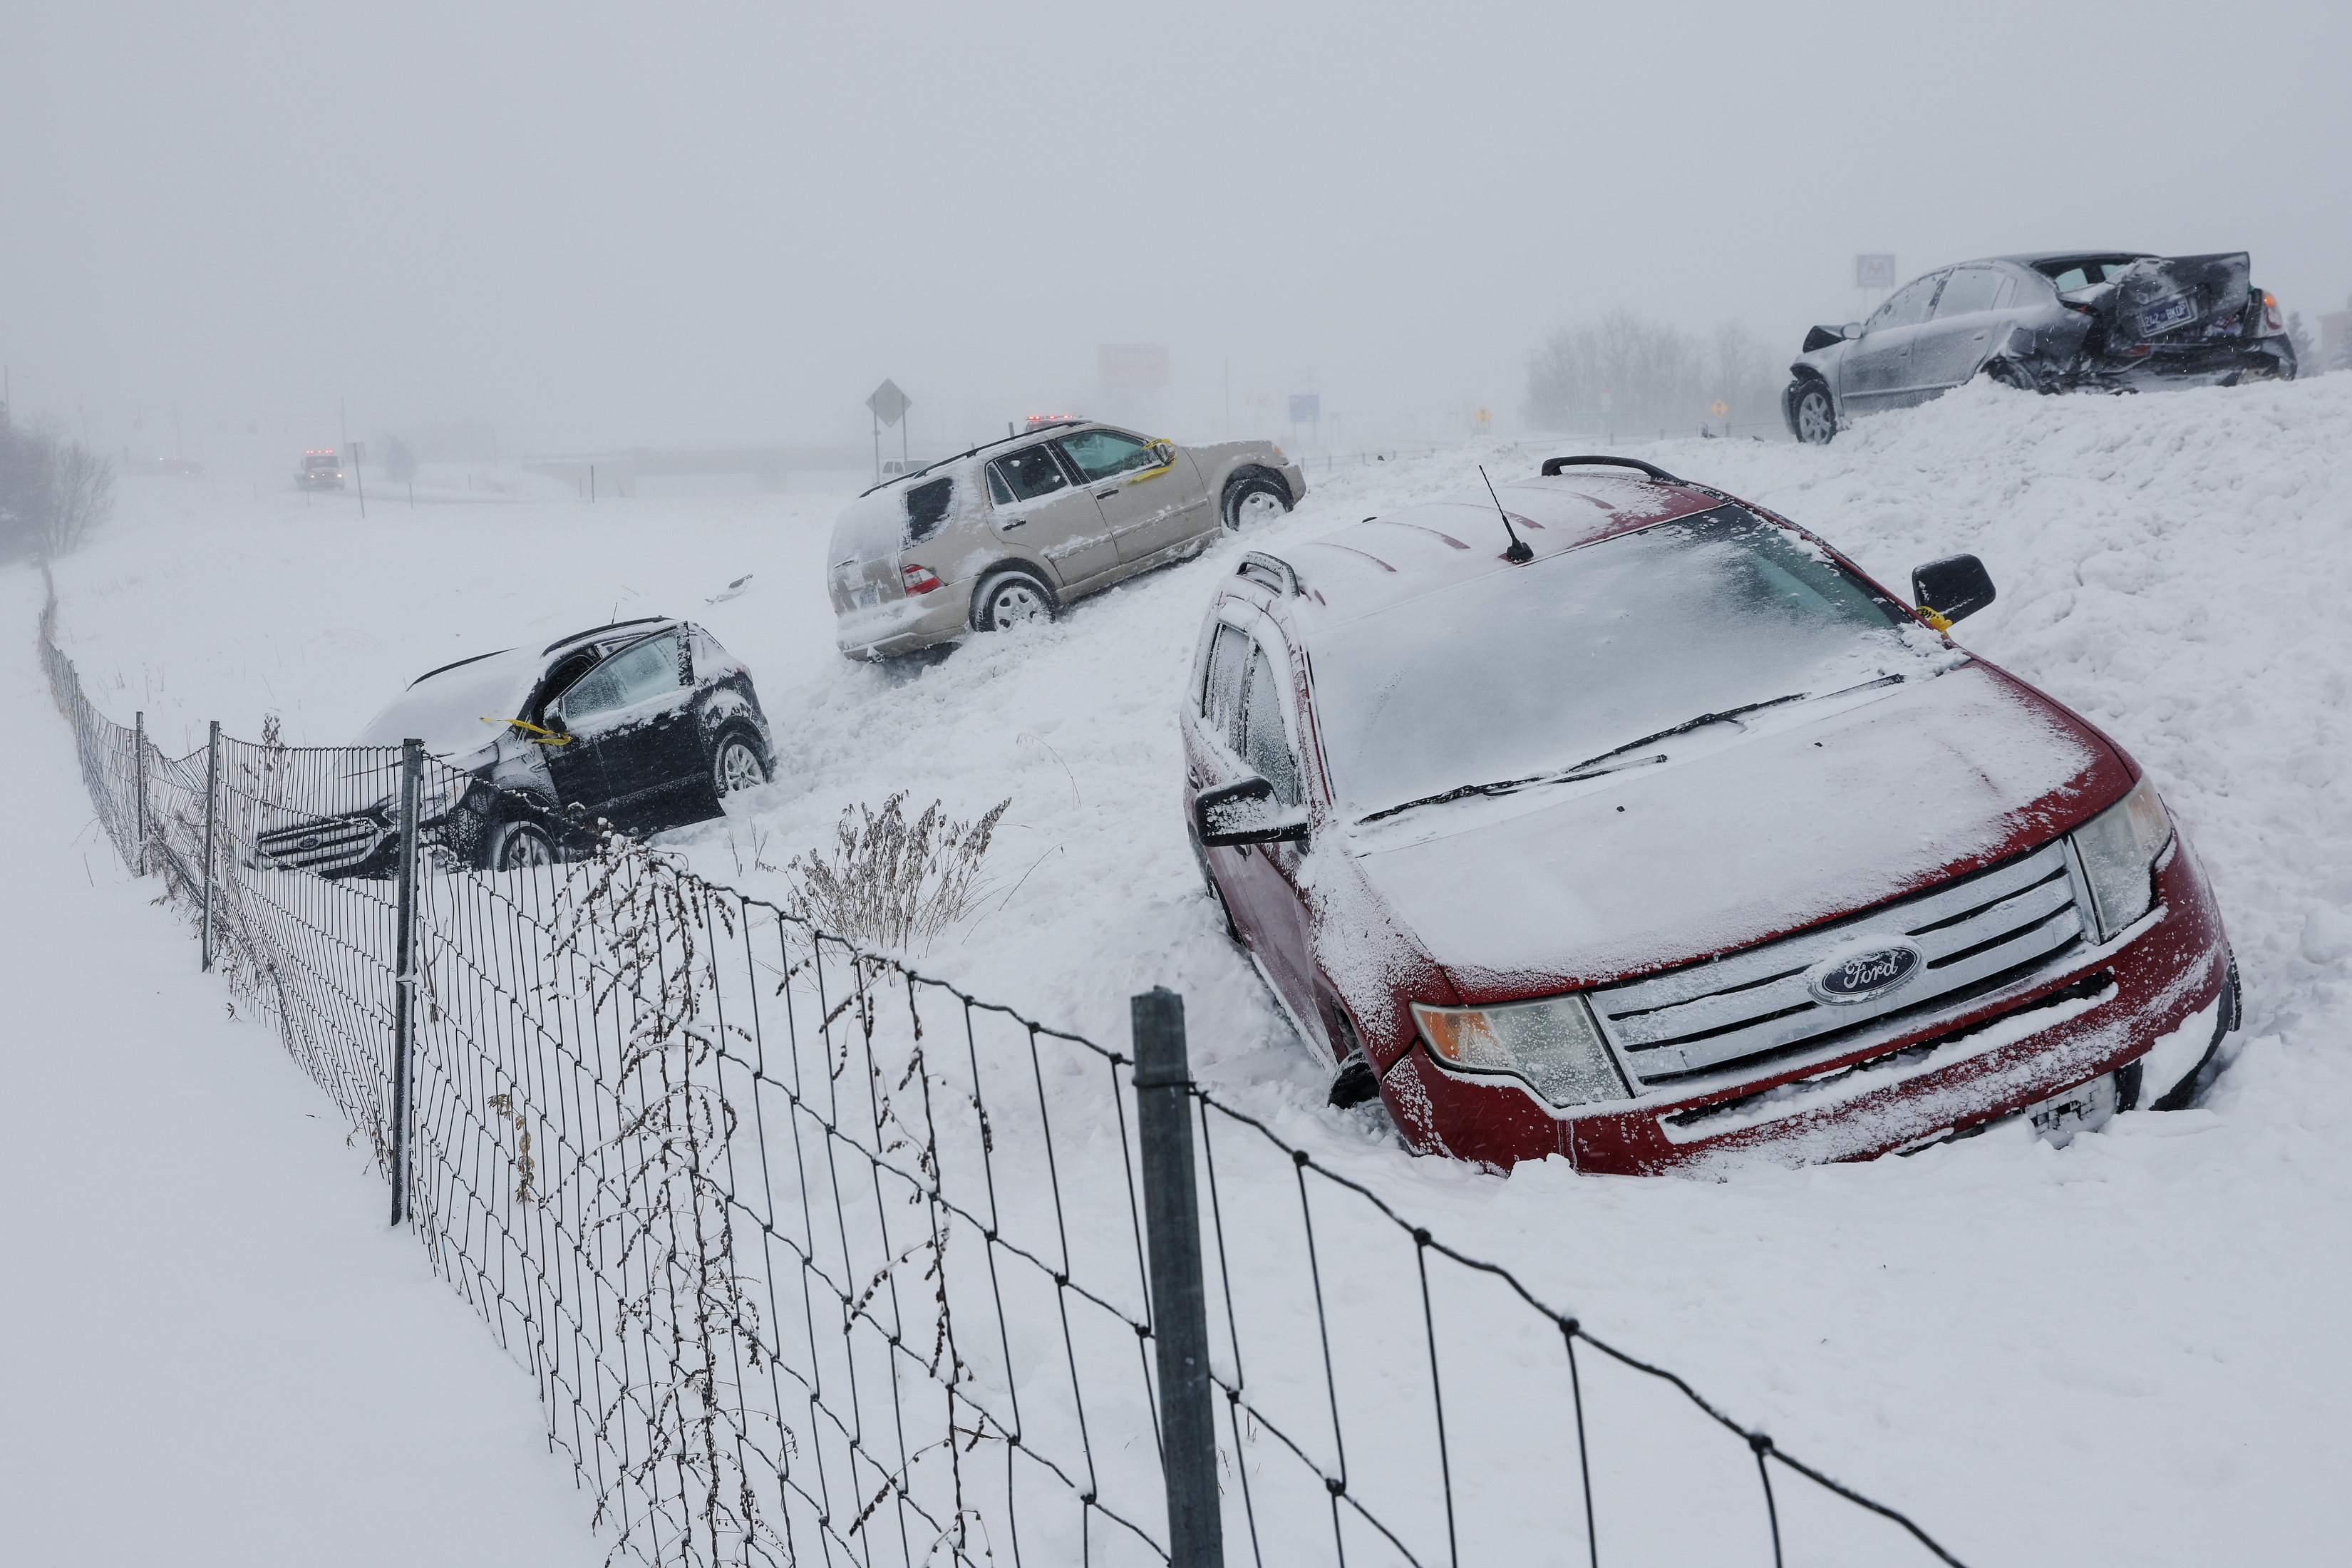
x=327, y=846
x=1757, y=1002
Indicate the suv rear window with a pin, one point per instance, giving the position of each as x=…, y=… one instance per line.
x=927, y=508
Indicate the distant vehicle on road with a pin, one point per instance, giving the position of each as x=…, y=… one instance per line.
x=2067, y=321
x=320, y=470
x=1011, y=532
x=1663, y=836
x=646, y=723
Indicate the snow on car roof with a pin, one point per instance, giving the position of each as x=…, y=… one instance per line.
x=1398, y=556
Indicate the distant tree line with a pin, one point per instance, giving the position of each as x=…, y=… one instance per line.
x=1624, y=372
x=54, y=491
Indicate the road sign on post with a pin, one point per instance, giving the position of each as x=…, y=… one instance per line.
x=1306, y=408
x=1874, y=272
x=889, y=405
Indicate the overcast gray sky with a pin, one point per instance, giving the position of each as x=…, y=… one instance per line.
x=596, y=223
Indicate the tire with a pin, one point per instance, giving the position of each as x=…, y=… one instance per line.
x=737, y=765
x=516, y=846
x=1217, y=896
x=2231, y=1016
x=1011, y=598
x=1811, y=414
x=2008, y=373
x=1355, y=1083
x=1254, y=495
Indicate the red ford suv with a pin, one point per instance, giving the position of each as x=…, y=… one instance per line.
x=1616, y=818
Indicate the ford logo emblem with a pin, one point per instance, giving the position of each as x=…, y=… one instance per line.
x=309, y=842
x=1865, y=973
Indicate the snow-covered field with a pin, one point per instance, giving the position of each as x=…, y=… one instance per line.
x=2126, y=1352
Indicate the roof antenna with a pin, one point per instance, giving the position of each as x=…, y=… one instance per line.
x=1519, y=554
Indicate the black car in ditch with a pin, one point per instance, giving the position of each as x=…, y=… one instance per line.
x=2060, y=321
x=646, y=724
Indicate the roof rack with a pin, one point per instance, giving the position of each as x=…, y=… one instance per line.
x=973, y=452
x=592, y=631
x=1553, y=466
x=1277, y=574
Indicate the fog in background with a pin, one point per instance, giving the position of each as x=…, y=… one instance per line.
x=585, y=225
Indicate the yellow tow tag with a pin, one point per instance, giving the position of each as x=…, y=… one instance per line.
x=538, y=737
x=1934, y=620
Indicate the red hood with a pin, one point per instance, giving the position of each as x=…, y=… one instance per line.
x=1773, y=833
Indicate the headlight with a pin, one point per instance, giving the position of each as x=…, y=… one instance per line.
x=434, y=802
x=2119, y=848
x=1553, y=1045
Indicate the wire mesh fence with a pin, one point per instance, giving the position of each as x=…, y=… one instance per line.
x=815, y=1259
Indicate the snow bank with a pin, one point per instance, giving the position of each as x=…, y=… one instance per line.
x=2001, y=1337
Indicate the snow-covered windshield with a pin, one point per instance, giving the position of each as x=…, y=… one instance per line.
x=1513, y=676
x=446, y=710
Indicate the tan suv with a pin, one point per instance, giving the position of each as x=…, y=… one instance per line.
x=1011, y=532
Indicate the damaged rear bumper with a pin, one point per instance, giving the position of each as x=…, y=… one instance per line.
x=2222, y=364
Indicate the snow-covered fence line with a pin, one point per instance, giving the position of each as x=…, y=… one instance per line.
x=813, y=1255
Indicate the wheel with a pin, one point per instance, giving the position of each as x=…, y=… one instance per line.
x=1217, y=896
x=737, y=767
x=1355, y=1082
x=1011, y=599
x=2228, y=1016
x=1254, y=499
x=517, y=846
x=1815, y=416
x=2008, y=373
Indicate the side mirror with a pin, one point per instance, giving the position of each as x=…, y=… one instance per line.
x=1852, y=330
x=1951, y=589
x=1246, y=812
x=1163, y=453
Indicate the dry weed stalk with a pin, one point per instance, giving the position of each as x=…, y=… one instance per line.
x=697, y=1445
x=890, y=883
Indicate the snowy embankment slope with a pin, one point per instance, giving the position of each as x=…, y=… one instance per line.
x=213, y=1350
x=2119, y=1352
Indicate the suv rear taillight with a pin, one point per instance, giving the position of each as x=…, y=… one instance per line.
x=2272, y=323
x=918, y=579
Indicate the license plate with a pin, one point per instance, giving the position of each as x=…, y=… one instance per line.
x=868, y=596
x=2164, y=316
x=2086, y=1107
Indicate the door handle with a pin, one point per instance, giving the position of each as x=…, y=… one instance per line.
x=1009, y=527
x=1105, y=495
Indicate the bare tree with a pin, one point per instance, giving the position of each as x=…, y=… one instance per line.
x=1746, y=379
x=1622, y=372
x=2306, y=347
x=399, y=462
x=53, y=491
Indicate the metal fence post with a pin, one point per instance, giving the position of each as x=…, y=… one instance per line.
x=404, y=967
x=139, y=757
x=212, y=798
x=1180, y=1317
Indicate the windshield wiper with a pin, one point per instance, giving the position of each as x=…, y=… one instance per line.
x=1592, y=767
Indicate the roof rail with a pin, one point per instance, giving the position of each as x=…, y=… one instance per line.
x=972, y=451
x=592, y=631
x=1284, y=577
x=1553, y=466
